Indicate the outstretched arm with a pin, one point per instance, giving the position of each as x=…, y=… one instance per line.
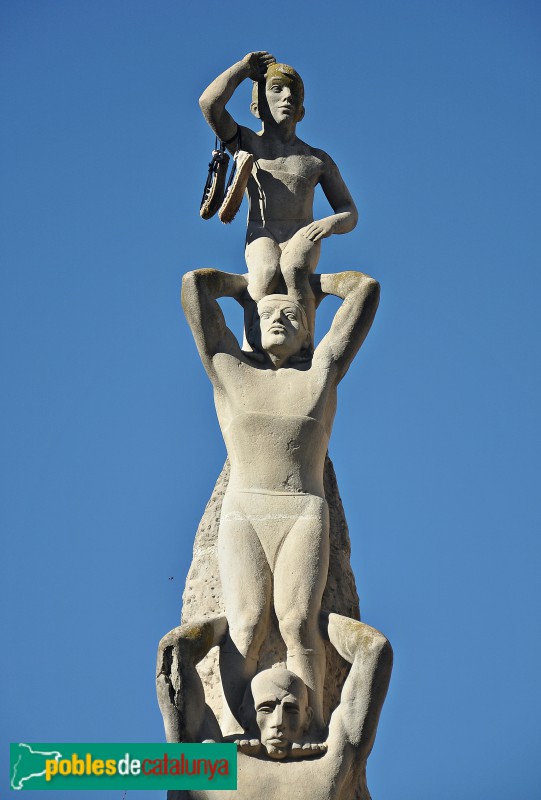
x=180, y=692
x=355, y=721
x=353, y=319
x=200, y=290
x=337, y=193
x=215, y=97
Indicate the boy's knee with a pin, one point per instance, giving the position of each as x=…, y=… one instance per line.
x=262, y=280
x=291, y=268
x=296, y=269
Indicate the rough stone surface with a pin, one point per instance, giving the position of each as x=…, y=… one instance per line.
x=268, y=766
x=270, y=583
x=202, y=596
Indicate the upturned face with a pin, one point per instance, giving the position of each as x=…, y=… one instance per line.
x=282, y=715
x=282, y=327
x=284, y=99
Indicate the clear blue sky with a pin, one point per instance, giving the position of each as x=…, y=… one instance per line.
x=109, y=439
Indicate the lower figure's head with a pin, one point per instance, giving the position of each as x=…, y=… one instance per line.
x=280, y=701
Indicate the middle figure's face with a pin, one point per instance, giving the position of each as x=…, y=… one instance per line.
x=283, y=99
x=281, y=325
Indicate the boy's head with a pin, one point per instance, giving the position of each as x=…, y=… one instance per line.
x=281, y=94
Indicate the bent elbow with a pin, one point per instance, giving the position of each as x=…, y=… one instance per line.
x=188, y=281
x=376, y=642
x=374, y=288
x=206, y=106
x=204, y=102
x=370, y=290
x=188, y=289
x=386, y=654
x=195, y=283
x=367, y=287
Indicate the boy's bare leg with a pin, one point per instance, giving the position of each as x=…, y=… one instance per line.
x=298, y=261
x=263, y=261
x=262, y=255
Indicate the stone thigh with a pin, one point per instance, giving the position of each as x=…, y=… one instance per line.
x=244, y=571
x=302, y=564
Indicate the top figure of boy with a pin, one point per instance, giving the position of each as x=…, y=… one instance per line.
x=283, y=240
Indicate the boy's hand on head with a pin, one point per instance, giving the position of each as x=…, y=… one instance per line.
x=258, y=64
x=319, y=229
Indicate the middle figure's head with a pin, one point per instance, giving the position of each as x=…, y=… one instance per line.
x=283, y=325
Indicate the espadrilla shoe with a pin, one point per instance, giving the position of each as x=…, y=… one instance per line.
x=243, y=167
x=213, y=193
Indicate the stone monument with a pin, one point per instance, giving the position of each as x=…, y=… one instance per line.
x=271, y=653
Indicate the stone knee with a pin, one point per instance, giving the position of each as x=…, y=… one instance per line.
x=248, y=635
x=262, y=279
x=299, y=632
x=299, y=258
x=294, y=271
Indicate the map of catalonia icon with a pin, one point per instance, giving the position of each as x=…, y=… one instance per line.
x=28, y=764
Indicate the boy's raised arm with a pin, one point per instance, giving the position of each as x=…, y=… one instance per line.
x=217, y=95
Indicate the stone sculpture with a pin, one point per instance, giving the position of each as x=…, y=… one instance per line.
x=283, y=240
x=277, y=713
x=276, y=400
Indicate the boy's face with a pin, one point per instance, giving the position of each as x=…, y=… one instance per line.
x=284, y=98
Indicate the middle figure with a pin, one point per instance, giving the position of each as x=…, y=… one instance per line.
x=276, y=413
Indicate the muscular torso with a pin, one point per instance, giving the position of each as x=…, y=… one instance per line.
x=276, y=424
x=281, y=187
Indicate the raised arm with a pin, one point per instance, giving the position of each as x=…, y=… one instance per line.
x=337, y=193
x=200, y=290
x=180, y=692
x=215, y=97
x=355, y=721
x=353, y=319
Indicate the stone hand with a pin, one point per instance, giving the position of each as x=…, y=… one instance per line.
x=319, y=229
x=258, y=64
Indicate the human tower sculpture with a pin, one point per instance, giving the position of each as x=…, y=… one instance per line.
x=276, y=397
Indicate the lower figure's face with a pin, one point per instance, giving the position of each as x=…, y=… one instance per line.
x=282, y=328
x=281, y=719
